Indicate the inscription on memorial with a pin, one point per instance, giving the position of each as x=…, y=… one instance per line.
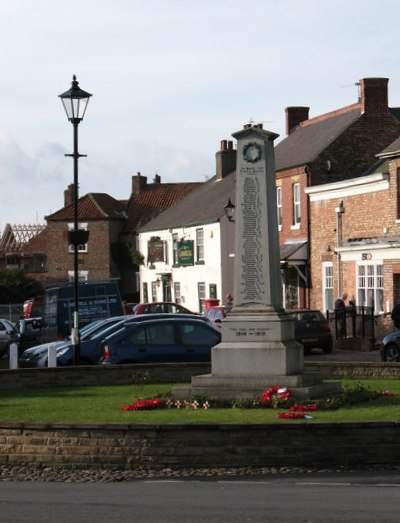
x=252, y=257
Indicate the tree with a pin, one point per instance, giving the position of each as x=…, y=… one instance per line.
x=15, y=287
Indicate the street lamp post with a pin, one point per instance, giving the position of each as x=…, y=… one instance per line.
x=75, y=102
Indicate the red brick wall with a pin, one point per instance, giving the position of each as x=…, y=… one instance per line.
x=97, y=260
x=366, y=215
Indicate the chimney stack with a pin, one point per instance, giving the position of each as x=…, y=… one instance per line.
x=294, y=116
x=69, y=195
x=139, y=183
x=374, y=95
x=226, y=159
x=157, y=179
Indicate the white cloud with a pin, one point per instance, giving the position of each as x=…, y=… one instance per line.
x=170, y=79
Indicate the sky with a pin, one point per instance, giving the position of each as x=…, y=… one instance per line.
x=170, y=79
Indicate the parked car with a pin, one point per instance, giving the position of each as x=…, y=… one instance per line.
x=172, y=339
x=37, y=356
x=312, y=330
x=160, y=306
x=90, y=342
x=391, y=347
x=216, y=314
x=8, y=335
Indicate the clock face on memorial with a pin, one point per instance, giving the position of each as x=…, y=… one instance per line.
x=252, y=152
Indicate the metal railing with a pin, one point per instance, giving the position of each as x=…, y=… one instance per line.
x=352, y=322
x=11, y=311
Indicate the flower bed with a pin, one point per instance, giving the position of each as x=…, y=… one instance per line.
x=274, y=397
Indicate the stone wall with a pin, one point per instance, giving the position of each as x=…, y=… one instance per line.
x=166, y=373
x=180, y=446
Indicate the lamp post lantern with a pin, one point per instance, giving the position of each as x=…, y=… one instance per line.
x=75, y=102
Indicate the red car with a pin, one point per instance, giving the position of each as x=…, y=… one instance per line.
x=160, y=306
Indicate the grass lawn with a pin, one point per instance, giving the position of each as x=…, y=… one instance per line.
x=103, y=404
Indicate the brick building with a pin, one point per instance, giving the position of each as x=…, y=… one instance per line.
x=329, y=148
x=355, y=237
x=112, y=226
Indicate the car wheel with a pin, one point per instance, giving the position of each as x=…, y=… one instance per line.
x=391, y=353
x=328, y=348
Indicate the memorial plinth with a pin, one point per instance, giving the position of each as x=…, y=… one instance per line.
x=258, y=347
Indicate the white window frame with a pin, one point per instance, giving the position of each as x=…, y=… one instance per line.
x=175, y=240
x=327, y=285
x=81, y=247
x=201, y=289
x=177, y=292
x=82, y=276
x=199, y=245
x=279, y=206
x=154, y=294
x=296, y=205
x=370, y=285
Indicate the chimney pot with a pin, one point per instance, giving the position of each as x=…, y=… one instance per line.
x=139, y=183
x=69, y=195
x=374, y=95
x=225, y=159
x=294, y=116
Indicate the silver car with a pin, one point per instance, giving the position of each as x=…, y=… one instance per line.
x=8, y=334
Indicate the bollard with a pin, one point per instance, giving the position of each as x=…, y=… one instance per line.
x=52, y=355
x=13, y=355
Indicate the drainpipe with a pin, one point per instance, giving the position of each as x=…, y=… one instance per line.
x=308, y=173
x=339, y=216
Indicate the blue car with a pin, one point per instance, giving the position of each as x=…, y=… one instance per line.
x=176, y=339
x=391, y=347
x=90, y=342
x=37, y=356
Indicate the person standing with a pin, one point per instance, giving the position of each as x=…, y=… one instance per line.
x=340, y=315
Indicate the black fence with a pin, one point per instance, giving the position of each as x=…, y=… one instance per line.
x=353, y=322
x=11, y=311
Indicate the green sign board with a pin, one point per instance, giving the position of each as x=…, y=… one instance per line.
x=185, y=252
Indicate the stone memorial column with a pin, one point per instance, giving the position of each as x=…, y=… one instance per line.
x=258, y=348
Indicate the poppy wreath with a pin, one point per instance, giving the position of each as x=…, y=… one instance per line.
x=145, y=405
x=275, y=395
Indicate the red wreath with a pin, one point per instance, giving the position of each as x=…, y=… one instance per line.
x=275, y=394
x=145, y=405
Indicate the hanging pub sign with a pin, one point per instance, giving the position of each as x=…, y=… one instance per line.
x=185, y=252
x=155, y=250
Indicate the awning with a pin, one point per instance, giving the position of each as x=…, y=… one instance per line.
x=294, y=252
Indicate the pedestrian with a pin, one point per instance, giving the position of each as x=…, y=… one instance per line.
x=340, y=315
x=228, y=302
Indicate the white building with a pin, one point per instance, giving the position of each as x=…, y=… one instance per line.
x=186, y=246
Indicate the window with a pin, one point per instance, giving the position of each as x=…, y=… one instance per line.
x=370, y=286
x=199, y=245
x=153, y=291
x=177, y=292
x=145, y=293
x=201, y=289
x=398, y=194
x=82, y=247
x=327, y=282
x=296, y=204
x=156, y=334
x=197, y=335
x=175, y=249
x=82, y=276
x=279, y=206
